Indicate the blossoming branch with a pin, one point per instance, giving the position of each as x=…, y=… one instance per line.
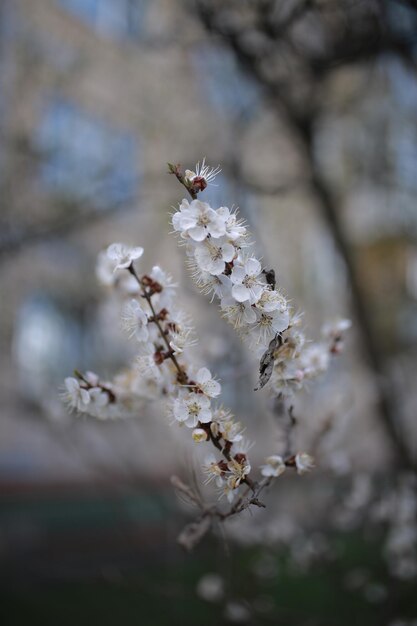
x=217, y=244
x=218, y=248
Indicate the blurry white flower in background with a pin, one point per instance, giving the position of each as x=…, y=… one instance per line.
x=210, y=587
x=123, y=255
x=274, y=466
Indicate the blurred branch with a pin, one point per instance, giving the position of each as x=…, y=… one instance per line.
x=14, y=240
x=268, y=189
x=194, y=532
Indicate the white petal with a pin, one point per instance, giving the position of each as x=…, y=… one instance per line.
x=192, y=421
x=238, y=274
x=228, y=252
x=205, y=416
x=240, y=293
x=203, y=258
x=180, y=411
x=217, y=228
x=255, y=293
x=115, y=251
x=187, y=220
x=249, y=315
x=198, y=233
x=176, y=221
x=85, y=396
x=203, y=375
x=184, y=204
x=136, y=253
x=72, y=385
x=203, y=402
x=252, y=267
x=216, y=267
x=281, y=321
x=142, y=334
x=224, y=212
x=212, y=388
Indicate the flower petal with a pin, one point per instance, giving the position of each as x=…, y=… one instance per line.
x=240, y=293
x=253, y=267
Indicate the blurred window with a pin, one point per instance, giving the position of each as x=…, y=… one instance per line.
x=229, y=90
x=117, y=18
x=85, y=159
x=46, y=344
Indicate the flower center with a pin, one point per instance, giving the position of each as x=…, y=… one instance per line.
x=193, y=409
x=249, y=281
x=203, y=220
x=265, y=320
x=215, y=253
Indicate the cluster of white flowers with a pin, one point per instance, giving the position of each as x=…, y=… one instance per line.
x=217, y=244
x=150, y=376
x=217, y=247
x=162, y=368
x=296, y=361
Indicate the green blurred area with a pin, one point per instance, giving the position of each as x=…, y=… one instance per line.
x=137, y=575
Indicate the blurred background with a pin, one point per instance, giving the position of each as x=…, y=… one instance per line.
x=309, y=106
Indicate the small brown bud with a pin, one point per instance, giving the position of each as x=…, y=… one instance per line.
x=159, y=357
x=290, y=462
x=199, y=183
x=223, y=466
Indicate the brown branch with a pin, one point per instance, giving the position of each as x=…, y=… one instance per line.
x=182, y=374
x=13, y=240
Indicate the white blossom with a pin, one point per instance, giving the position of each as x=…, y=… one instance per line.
x=239, y=314
x=212, y=255
x=99, y=399
x=75, y=396
x=303, y=462
x=207, y=384
x=314, y=360
x=123, y=255
x=228, y=489
x=335, y=328
x=217, y=285
x=135, y=321
x=203, y=171
x=166, y=296
x=230, y=430
x=239, y=470
x=193, y=408
x=269, y=324
x=246, y=281
x=147, y=368
x=273, y=467
x=197, y=220
x=234, y=227
x=271, y=300
x=287, y=377
x=181, y=339
x=214, y=470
